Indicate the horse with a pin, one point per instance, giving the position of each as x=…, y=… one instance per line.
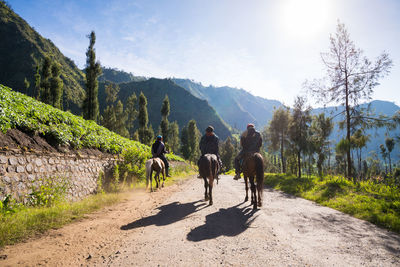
x=208, y=169
x=253, y=165
x=157, y=165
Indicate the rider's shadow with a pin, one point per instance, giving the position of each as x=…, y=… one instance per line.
x=168, y=214
x=227, y=222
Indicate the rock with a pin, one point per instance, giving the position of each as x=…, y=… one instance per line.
x=11, y=169
x=13, y=161
x=20, y=169
x=51, y=161
x=3, y=159
x=38, y=162
x=21, y=160
x=29, y=168
x=7, y=179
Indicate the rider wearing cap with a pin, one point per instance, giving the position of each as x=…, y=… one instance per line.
x=209, y=144
x=158, y=151
x=251, y=142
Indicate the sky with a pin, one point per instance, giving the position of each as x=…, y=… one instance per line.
x=267, y=47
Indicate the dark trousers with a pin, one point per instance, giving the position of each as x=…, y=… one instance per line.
x=164, y=159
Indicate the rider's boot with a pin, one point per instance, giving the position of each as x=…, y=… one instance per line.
x=237, y=176
x=167, y=172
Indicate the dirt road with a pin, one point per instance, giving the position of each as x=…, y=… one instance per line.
x=175, y=227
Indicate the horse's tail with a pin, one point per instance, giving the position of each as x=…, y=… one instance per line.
x=149, y=164
x=259, y=172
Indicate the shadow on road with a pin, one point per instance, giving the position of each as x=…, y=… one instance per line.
x=228, y=222
x=168, y=214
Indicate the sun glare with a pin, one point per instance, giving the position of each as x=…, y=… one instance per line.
x=302, y=19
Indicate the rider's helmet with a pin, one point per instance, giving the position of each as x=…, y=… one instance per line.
x=159, y=138
x=210, y=129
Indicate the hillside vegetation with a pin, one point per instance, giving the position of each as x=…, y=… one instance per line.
x=184, y=106
x=23, y=49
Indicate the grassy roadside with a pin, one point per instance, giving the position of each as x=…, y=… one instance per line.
x=376, y=203
x=25, y=222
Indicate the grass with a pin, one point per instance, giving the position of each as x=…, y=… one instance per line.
x=376, y=203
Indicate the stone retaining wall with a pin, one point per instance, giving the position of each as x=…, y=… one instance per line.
x=20, y=172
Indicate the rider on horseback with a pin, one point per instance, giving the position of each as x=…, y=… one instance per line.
x=209, y=144
x=158, y=151
x=251, y=142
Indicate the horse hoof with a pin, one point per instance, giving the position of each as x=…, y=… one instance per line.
x=259, y=204
x=246, y=199
x=254, y=206
x=211, y=203
x=206, y=198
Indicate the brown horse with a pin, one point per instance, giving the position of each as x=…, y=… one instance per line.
x=157, y=165
x=253, y=166
x=208, y=169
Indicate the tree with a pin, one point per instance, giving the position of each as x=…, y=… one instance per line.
x=351, y=78
x=359, y=141
x=37, y=82
x=56, y=86
x=121, y=118
x=145, y=133
x=93, y=71
x=173, y=137
x=227, y=153
x=185, y=149
x=389, y=146
x=321, y=129
x=193, y=136
x=277, y=133
x=112, y=91
x=384, y=154
x=45, y=81
x=27, y=84
x=131, y=112
x=298, y=129
x=164, y=121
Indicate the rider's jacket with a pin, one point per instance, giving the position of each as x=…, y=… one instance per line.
x=158, y=149
x=251, y=141
x=209, y=144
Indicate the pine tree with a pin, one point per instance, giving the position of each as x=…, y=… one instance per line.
x=121, y=118
x=45, y=84
x=193, y=136
x=173, y=137
x=185, y=149
x=93, y=71
x=56, y=86
x=131, y=113
x=143, y=120
x=227, y=153
x=164, y=121
x=37, y=82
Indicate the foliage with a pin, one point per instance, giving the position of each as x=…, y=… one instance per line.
x=174, y=142
x=50, y=191
x=193, y=136
x=164, y=125
x=22, y=54
x=228, y=153
x=374, y=202
x=92, y=70
x=350, y=79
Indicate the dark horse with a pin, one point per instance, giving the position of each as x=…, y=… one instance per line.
x=208, y=168
x=253, y=165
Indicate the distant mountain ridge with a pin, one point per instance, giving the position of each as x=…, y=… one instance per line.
x=22, y=49
x=235, y=106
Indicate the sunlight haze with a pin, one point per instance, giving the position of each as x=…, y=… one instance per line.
x=268, y=48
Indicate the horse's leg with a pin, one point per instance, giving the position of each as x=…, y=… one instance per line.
x=247, y=189
x=163, y=176
x=253, y=192
x=210, y=187
x=259, y=189
x=151, y=181
x=205, y=189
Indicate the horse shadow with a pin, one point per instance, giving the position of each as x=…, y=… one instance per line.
x=167, y=214
x=228, y=222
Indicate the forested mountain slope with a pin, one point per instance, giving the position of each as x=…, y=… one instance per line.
x=22, y=49
x=184, y=106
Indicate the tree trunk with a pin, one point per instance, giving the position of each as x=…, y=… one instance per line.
x=282, y=159
x=348, y=126
x=299, y=163
x=390, y=164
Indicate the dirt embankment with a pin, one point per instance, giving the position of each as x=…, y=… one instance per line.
x=175, y=227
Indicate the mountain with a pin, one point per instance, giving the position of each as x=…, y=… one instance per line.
x=184, y=106
x=235, y=106
x=22, y=49
x=377, y=136
x=118, y=76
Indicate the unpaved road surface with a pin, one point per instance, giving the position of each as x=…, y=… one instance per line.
x=175, y=227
